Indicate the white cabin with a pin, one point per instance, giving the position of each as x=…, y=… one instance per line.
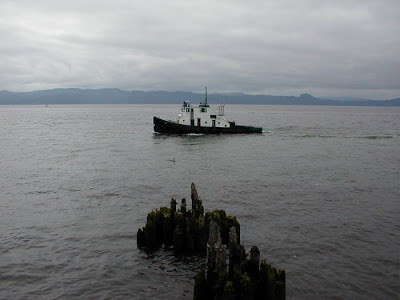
x=202, y=116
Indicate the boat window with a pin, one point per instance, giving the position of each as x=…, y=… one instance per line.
x=213, y=116
x=203, y=110
x=187, y=110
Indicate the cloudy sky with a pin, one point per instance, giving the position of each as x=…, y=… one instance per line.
x=278, y=47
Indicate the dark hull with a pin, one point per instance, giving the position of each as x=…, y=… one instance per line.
x=163, y=126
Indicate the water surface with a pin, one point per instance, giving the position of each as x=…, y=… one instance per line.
x=318, y=192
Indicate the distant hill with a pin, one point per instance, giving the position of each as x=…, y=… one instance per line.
x=117, y=96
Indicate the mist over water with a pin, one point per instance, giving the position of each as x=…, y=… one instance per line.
x=317, y=192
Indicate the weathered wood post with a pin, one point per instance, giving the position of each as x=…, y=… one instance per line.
x=183, y=206
x=141, y=238
x=246, y=287
x=216, y=261
x=167, y=226
x=173, y=205
x=187, y=231
x=179, y=233
x=263, y=284
x=214, y=237
x=229, y=291
x=201, y=289
x=233, y=241
x=239, y=260
x=151, y=232
x=197, y=203
x=281, y=284
x=189, y=242
x=254, y=262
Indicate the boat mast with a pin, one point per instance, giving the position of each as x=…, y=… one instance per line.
x=206, y=98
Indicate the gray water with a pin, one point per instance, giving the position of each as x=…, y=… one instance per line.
x=318, y=192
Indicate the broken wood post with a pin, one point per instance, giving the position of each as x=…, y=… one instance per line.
x=229, y=291
x=179, y=233
x=262, y=290
x=189, y=242
x=141, y=238
x=190, y=231
x=173, y=205
x=183, y=206
x=151, y=232
x=239, y=260
x=281, y=284
x=254, y=263
x=197, y=206
x=246, y=287
x=233, y=241
x=167, y=226
x=201, y=290
x=216, y=261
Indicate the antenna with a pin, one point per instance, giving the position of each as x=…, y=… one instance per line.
x=206, y=97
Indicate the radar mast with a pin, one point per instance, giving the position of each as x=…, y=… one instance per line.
x=205, y=102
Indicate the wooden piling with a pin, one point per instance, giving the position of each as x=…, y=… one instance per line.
x=230, y=273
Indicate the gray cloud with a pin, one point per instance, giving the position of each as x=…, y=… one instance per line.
x=327, y=48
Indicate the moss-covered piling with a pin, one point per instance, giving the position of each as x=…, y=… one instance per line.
x=230, y=273
x=186, y=230
x=243, y=278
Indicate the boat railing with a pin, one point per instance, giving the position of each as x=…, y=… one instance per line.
x=221, y=110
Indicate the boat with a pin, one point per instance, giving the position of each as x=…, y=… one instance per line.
x=201, y=120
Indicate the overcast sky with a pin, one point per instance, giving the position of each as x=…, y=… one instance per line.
x=282, y=47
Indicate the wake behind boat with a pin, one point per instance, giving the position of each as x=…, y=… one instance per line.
x=201, y=119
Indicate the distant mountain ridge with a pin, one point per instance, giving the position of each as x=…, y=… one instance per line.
x=117, y=96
